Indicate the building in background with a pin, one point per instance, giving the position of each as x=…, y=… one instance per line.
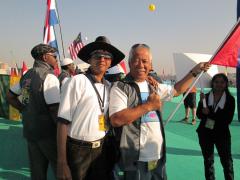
x=4, y=68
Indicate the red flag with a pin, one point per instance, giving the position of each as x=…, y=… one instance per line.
x=227, y=53
x=75, y=47
x=123, y=66
x=24, y=68
x=56, y=70
x=119, y=68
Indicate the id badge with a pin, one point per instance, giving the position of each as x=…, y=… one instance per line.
x=210, y=123
x=102, y=123
x=152, y=165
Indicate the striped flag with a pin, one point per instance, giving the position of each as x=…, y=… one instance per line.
x=75, y=47
x=119, y=68
x=49, y=33
x=50, y=21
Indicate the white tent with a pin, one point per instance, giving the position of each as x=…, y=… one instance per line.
x=184, y=62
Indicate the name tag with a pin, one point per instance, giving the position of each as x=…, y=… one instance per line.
x=102, y=123
x=210, y=123
x=152, y=165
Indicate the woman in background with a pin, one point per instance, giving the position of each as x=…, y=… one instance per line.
x=216, y=113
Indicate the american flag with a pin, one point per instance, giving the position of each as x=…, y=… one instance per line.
x=75, y=47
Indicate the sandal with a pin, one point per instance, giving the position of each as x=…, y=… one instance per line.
x=194, y=121
x=184, y=120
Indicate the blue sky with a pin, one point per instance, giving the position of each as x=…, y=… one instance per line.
x=197, y=26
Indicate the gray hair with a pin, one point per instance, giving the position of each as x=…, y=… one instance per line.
x=133, y=49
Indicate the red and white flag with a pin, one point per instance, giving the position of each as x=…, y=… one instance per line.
x=119, y=68
x=24, y=68
x=75, y=47
x=50, y=21
x=49, y=33
x=122, y=66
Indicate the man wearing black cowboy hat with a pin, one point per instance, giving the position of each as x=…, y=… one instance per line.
x=82, y=115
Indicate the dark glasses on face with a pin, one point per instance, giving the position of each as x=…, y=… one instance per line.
x=100, y=55
x=53, y=55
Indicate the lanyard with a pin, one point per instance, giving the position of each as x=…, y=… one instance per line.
x=100, y=100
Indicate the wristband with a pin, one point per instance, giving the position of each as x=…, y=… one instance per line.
x=193, y=73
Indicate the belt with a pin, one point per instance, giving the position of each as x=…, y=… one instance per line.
x=93, y=144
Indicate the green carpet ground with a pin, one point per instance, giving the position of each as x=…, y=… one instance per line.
x=184, y=158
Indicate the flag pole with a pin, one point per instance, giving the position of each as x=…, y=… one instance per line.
x=60, y=28
x=57, y=45
x=226, y=71
x=184, y=97
x=198, y=77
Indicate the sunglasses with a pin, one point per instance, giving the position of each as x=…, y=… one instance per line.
x=53, y=55
x=100, y=56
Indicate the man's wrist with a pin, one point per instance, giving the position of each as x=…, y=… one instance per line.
x=194, y=74
x=147, y=107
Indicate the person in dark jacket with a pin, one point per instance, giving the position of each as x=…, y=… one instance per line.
x=39, y=88
x=216, y=113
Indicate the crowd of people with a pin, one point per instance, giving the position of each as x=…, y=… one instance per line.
x=89, y=128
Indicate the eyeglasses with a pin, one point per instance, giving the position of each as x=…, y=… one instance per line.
x=100, y=55
x=53, y=55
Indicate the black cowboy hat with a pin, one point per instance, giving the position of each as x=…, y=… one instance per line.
x=101, y=43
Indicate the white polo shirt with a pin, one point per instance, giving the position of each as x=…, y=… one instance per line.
x=79, y=105
x=51, y=90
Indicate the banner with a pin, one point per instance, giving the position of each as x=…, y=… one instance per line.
x=184, y=62
x=13, y=112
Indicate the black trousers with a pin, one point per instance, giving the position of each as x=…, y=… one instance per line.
x=41, y=154
x=223, y=146
x=87, y=163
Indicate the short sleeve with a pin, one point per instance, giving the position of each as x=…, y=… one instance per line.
x=69, y=101
x=118, y=100
x=51, y=89
x=166, y=92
